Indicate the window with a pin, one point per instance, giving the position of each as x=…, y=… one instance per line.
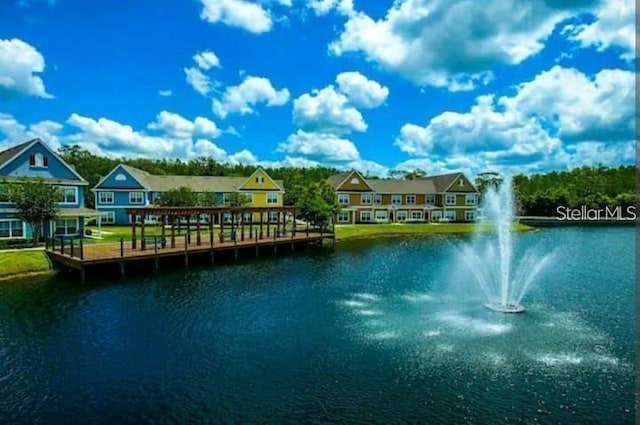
x=11, y=229
x=68, y=195
x=461, y=182
x=431, y=199
x=121, y=177
x=396, y=199
x=416, y=215
x=273, y=216
x=226, y=218
x=450, y=215
x=225, y=198
x=108, y=217
x=105, y=197
x=401, y=216
x=136, y=197
x=381, y=216
x=259, y=179
x=343, y=217
x=377, y=199
x=411, y=199
x=247, y=217
x=272, y=198
x=38, y=160
x=343, y=198
x=365, y=215
x=66, y=227
x=450, y=199
x=470, y=215
x=248, y=198
x=366, y=199
x=470, y=199
x=355, y=180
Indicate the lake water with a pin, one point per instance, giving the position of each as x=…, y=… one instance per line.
x=388, y=331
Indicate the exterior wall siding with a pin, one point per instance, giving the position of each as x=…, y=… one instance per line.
x=359, y=186
x=56, y=168
x=112, y=182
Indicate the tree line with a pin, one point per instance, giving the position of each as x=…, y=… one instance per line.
x=536, y=194
x=595, y=187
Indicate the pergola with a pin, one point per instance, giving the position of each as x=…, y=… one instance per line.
x=238, y=223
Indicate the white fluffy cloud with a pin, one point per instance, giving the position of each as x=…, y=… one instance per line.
x=454, y=45
x=308, y=149
x=362, y=92
x=327, y=111
x=206, y=60
x=580, y=107
x=322, y=7
x=14, y=132
x=242, y=99
x=483, y=130
x=614, y=25
x=561, y=118
x=320, y=146
x=171, y=136
x=198, y=80
x=332, y=110
x=253, y=16
x=19, y=64
x=175, y=125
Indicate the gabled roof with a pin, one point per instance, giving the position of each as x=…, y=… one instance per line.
x=429, y=184
x=443, y=181
x=278, y=183
x=163, y=183
x=401, y=186
x=10, y=154
x=336, y=179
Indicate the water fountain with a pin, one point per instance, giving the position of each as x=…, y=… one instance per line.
x=503, y=281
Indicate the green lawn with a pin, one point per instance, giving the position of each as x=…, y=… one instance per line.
x=23, y=262
x=353, y=231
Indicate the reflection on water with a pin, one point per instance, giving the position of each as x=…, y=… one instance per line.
x=376, y=332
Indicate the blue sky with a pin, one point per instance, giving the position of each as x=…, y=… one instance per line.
x=507, y=85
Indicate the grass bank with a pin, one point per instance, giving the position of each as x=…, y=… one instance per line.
x=349, y=231
x=23, y=263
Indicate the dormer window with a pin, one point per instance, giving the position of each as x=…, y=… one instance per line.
x=461, y=182
x=121, y=177
x=38, y=160
x=355, y=180
x=259, y=179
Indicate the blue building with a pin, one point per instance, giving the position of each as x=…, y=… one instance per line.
x=34, y=159
x=125, y=187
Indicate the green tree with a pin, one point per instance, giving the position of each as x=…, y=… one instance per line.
x=35, y=201
x=415, y=174
x=237, y=199
x=207, y=199
x=318, y=203
x=486, y=180
x=181, y=197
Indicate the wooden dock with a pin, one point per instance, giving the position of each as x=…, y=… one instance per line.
x=74, y=254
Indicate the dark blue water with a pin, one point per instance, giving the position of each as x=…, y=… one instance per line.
x=389, y=331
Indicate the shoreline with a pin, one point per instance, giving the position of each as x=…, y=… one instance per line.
x=556, y=222
x=370, y=231
x=25, y=275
